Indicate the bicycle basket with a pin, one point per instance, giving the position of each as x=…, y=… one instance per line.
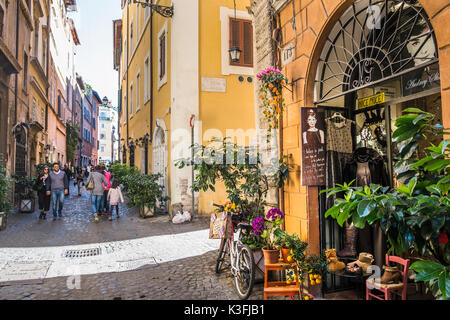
x=220, y=226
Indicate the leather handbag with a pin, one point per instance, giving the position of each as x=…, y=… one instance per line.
x=90, y=185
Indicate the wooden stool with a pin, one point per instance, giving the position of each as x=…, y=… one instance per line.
x=279, y=288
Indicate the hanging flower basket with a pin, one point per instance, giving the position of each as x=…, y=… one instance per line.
x=271, y=82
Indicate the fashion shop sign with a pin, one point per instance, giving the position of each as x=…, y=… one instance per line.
x=313, y=147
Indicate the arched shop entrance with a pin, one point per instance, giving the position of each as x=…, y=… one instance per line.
x=378, y=58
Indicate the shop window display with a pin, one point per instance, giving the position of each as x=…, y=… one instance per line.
x=366, y=77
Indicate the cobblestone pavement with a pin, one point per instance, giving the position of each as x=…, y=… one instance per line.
x=189, y=278
x=77, y=226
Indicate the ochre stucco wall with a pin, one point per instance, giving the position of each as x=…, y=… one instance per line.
x=314, y=20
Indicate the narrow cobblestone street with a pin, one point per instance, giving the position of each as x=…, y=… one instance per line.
x=162, y=277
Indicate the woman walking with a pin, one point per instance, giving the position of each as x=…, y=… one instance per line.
x=98, y=180
x=79, y=178
x=41, y=186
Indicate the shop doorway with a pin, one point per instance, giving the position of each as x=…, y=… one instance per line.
x=368, y=72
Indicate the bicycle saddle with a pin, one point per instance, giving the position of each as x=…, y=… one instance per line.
x=243, y=225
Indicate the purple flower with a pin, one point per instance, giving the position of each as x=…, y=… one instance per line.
x=258, y=226
x=274, y=214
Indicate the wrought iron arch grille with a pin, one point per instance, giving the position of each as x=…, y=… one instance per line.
x=373, y=41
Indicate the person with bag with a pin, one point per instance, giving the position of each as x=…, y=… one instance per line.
x=105, y=193
x=95, y=183
x=43, y=198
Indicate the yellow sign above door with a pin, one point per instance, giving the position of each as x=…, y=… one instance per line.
x=371, y=101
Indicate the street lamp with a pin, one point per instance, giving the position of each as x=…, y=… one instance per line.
x=235, y=51
x=165, y=11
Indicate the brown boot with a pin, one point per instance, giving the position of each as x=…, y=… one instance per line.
x=333, y=263
x=351, y=234
x=390, y=275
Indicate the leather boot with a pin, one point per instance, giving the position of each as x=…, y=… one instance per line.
x=390, y=275
x=351, y=234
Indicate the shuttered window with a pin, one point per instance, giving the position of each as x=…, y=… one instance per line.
x=241, y=35
x=162, y=58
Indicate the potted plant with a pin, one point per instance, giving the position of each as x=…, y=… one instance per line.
x=309, y=267
x=144, y=192
x=282, y=242
x=270, y=227
x=24, y=189
x=5, y=201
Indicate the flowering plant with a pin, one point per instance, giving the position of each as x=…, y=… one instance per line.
x=230, y=207
x=270, y=92
x=268, y=227
x=258, y=226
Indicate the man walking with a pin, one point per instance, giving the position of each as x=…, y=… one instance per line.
x=98, y=181
x=57, y=187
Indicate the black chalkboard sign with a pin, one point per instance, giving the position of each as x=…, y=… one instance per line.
x=313, y=147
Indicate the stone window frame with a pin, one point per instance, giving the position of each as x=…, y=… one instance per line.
x=138, y=90
x=147, y=66
x=162, y=80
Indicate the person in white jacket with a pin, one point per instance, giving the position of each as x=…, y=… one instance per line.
x=114, y=196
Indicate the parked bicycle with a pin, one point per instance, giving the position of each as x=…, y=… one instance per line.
x=238, y=256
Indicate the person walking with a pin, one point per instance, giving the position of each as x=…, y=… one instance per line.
x=43, y=198
x=57, y=187
x=98, y=180
x=68, y=174
x=114, y=196
x=79, y=178
x=107, y=187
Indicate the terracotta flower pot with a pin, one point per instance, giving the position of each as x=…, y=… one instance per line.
x=271, y=256
x=285, y=253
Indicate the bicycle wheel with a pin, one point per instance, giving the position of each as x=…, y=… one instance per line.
x=223, y=250
x=245, y=277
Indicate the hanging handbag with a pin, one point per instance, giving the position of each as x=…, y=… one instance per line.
x=220, y=226
x=90, y=185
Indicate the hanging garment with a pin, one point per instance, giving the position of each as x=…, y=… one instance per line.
x=363, y=177
x=377, y=168
x=336, y=162
x=339, y=137
x=339, y=143
x=367, y=166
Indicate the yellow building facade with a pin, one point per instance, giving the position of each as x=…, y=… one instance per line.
x=176, y=72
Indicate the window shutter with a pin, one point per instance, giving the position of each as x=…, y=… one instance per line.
x=162, y=45
x=241, y=35
x=248, y=43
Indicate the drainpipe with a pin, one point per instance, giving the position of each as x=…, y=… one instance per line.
x=126, y=62
x=17, y=58
x=151, y=76
x=280, y=143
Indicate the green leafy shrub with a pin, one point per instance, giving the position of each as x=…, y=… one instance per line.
x=144, y=190
x=25, y=186
x=121, y=172
x=5, y=191
x=246, y=182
